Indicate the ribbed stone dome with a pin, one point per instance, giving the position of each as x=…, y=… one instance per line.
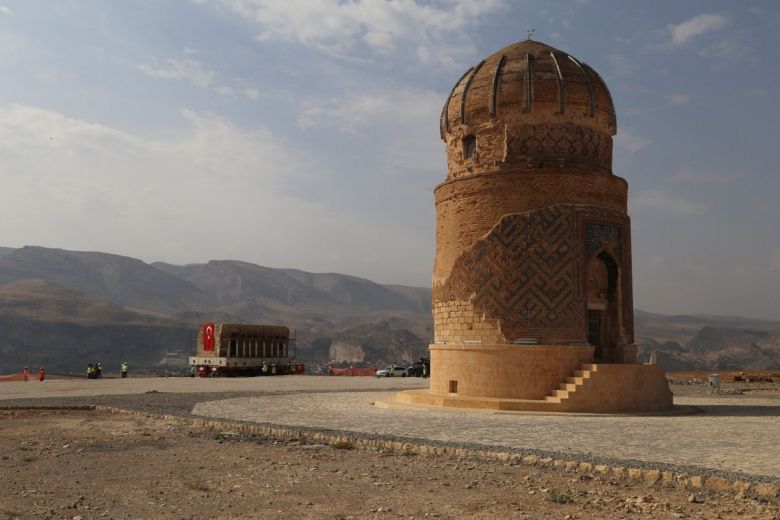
x=528, y=106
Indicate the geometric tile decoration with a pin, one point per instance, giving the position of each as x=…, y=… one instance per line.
x=525, y=273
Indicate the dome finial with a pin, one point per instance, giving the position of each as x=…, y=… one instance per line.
x=531, y=32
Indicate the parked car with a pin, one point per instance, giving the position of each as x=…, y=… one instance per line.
x=392, y=371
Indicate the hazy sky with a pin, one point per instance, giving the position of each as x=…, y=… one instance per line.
x=304, y=133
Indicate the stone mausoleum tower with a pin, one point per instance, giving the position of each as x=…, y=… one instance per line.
x=532, y=298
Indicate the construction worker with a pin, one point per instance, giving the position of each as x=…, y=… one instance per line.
x=90, y=371
x=123, y=370
x=98, y=371
x=192, y=371
x=26, y=374
x=41, y=374
x=273, y=369
x=264, y=368
x=392, y=371
x=424, y=371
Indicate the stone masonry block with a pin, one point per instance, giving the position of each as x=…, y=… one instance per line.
x=651, y=476
x=718, y=484
x=530, y=460
x=765, y=490
x=741, y=487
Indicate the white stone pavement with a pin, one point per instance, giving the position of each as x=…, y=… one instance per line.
x=729, y=436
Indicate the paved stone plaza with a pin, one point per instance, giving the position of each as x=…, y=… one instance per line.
x=733, y=433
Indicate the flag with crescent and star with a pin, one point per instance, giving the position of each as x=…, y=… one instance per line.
x=208, y=336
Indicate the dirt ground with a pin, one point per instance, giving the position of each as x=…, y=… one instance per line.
x=85, y=464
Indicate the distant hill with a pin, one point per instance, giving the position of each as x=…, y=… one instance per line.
x=682, y=328
x=67, y=306
x=119, y=279
x=44, y=324
x=703, y=342
x=231, y=284
x=42, y=300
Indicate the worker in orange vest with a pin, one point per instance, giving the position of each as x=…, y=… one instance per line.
x=41, y=374
x=26, y=374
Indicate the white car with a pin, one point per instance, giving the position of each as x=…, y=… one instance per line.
x=394, y=371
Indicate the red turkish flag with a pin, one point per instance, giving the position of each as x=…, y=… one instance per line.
x=208, y=336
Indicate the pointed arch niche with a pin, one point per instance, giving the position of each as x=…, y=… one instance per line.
x=604, y=316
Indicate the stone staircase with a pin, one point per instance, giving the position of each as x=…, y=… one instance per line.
x=594, y=388
x=576, y=382
x=557, y=401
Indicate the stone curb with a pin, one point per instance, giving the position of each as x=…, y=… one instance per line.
x=44, y=407
x=651, y=477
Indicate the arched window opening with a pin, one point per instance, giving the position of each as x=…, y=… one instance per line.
x=612, y=274
x=469, y=146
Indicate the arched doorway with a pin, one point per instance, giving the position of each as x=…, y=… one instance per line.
x=603, y=299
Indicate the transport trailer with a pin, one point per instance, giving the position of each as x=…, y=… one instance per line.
x=234, y=349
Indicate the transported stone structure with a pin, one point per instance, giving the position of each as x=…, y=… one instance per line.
x=532, y=297
x=242, y=349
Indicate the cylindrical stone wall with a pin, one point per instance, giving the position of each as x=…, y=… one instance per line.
x=503, y=371
x=530, y=202
x=468, y=208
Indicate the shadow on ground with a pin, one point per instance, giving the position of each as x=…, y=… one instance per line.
x=731, y=410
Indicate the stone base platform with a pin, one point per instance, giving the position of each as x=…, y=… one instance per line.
x=595, y=389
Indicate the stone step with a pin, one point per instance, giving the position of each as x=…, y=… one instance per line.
x=590, y=367
x=575, y=380
x=569, y=387
x=585, y=374
x=423, y=397
x=562, y=394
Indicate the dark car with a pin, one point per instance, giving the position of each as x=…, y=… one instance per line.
x=416, y=370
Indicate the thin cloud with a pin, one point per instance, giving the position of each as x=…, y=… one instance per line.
x=401, y=122
x=5, y=10
x=691, y=176
x=75, y=170
x=225, y=91
x=631, y=142
x=679, y=99
x=667, y=204
x=434, y=31
x=194, y=72
x=182, y=69
x=362, y=109
x=684, y=32
x=621, y=65
x=774, y=265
